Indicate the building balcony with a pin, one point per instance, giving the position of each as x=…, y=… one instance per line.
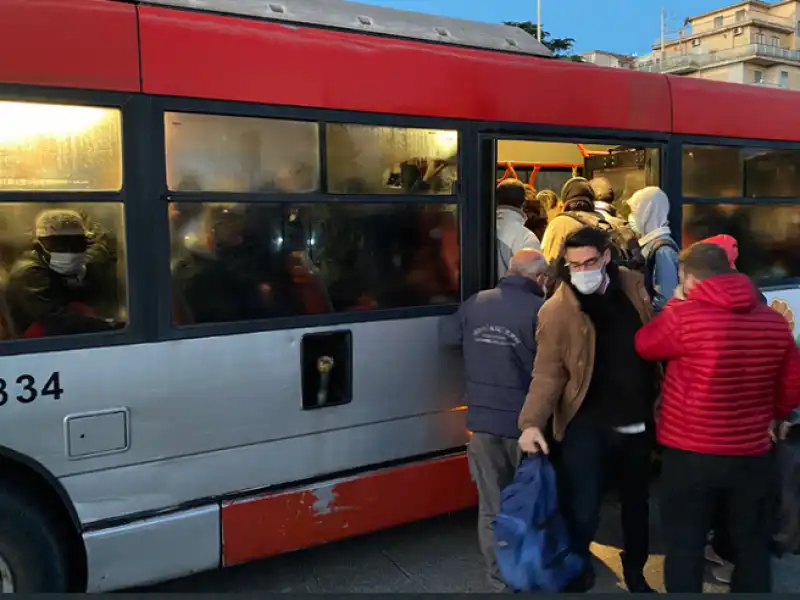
x=761, y=54
x=723, y=24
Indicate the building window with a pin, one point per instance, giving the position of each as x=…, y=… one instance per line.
x=758, y=77
x=798, y=28
x=760, y=38
x=718, y=22
x=740, y=16
x=775, y=41
x=785, y=80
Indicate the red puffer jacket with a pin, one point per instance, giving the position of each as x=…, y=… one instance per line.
x=732, y=368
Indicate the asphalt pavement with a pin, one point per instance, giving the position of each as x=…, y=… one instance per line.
x=436, y=556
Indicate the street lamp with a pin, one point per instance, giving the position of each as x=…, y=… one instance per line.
x=539, y=20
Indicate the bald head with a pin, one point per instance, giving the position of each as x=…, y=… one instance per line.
x=529, y=263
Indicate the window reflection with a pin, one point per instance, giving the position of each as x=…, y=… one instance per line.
x=62, y=269
x=768, y=235
x=362, y=159
x=54, y=147
x=218, y=153
x=712, y=172
x=772, y=173
x=237, y=262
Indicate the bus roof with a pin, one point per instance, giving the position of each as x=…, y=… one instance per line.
x=365, y=18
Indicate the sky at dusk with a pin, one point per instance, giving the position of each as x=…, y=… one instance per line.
x=621, y=26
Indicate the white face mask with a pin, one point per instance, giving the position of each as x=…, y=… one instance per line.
x=587, y=282
x=67, y=263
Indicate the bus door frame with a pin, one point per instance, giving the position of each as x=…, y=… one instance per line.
x=488, y=138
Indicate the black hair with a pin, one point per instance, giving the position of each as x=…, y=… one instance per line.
x=588, y=236
x=510, y=192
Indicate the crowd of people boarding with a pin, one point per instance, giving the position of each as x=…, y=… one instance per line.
x=603, y=345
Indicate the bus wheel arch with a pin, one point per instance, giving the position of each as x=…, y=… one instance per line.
x=26, y=479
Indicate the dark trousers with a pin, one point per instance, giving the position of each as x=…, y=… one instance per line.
x=589, y=456
x=693, y=486
x=721, y=538
x=493, y=461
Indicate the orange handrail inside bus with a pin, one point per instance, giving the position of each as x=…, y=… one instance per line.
x=511, y=173
x=586, y=152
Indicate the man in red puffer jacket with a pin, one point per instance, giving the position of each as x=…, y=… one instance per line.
x=733, y=368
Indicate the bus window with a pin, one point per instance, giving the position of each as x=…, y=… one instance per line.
x=62, y=269
x=241, y=262
x=363, y=159
x=772, y=173
x=712, y=172
x=218, y=153
x=54, y=147
x=768, y=235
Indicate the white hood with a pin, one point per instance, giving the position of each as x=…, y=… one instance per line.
x=650, y=210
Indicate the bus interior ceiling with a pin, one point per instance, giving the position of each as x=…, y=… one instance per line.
x=548, y=165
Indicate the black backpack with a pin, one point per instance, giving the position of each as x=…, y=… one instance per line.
x=650, y=264
x=625, y=249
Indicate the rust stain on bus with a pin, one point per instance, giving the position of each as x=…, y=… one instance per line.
x=269, y=525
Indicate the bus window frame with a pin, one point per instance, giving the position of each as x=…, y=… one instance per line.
x=134, y=203
x=168, y=330
x=677, y=144
x=554, y=134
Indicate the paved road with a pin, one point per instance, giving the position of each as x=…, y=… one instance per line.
x=440, y=556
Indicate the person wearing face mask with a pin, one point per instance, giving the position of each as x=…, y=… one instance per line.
x=649, y=218
x=600, y=395
x=53, y=290
x=495, y=330
x=733, y=370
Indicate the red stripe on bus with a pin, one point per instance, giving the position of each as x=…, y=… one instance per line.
x=227, y=58
x=269, y=525
x=90, y=44
x=725, y=109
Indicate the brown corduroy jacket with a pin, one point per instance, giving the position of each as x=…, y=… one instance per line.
x=565, y=341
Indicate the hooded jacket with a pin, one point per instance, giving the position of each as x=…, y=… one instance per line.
x=733, y=367
x=496, y=329
x=561, y=226
x=650, y=218
x=512, y=236
x=731, y=247
x=727, y=243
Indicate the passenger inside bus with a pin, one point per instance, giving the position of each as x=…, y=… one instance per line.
x=67, y=283
x=219, y=277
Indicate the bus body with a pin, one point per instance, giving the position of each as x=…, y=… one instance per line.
x=172, y=444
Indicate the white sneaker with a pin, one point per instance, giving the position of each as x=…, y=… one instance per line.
x=712, y=556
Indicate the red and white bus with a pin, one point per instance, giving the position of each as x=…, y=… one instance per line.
x=279, y=207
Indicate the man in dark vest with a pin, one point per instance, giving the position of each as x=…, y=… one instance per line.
x=496, y=330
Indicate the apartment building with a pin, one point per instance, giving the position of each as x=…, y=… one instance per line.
x=752, y=42
x=602, y=58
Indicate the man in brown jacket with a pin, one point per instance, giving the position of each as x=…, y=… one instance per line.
x=600, y=394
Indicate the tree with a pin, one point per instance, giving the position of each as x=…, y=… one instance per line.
x=560, y=47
